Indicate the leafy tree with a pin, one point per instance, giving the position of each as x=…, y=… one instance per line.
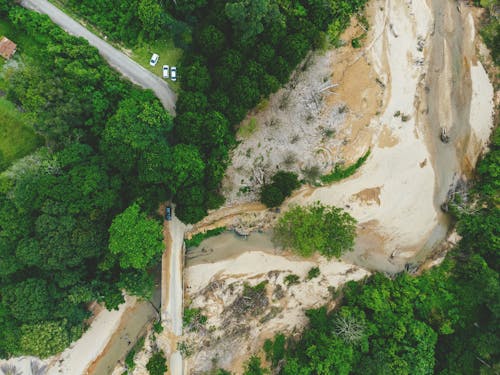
x=157, y=364
x=282, y=185
x=187, y=168
x=248, y=17
x=28, y=301
x=134, y=239
x=211, y=41
x=150, y=13
x=271, y=196
x=139, y=124
x=328, y=230
x=196, y=77
x=44, y=339
x=253, y=367
x=137, y=283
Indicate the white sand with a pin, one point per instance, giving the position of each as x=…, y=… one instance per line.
x=84, y=351
x=481, y=114
x=406, y=214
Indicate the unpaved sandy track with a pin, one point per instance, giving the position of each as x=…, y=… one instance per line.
x=118, y=60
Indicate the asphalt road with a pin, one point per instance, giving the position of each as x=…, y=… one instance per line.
x=118, y=60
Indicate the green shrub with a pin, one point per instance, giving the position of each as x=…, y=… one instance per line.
x=340, y=173
x=198, y=238
x=157, y=327
x=313, y=272
x=281, y=186
x=157, y=364
x=326, y=229
x=292, y=279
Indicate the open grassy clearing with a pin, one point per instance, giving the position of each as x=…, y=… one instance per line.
x=169, y=55
x=17, y=138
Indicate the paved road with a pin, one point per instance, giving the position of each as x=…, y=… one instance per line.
x=118, y=60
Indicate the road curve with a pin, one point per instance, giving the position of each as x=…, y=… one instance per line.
x=118, y=60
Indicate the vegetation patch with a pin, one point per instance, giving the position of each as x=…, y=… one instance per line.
x=339, y=172
x=292, y=279
x=326, y=229
x=129, y=359
x=313, y=273
x=17, y=138
x=198, y=238
x=157, y=364
x=253, y=300
x=282, y=184
x=246, y=130
x=193, y=319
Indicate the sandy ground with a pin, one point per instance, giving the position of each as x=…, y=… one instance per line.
x=416, y=74
x=214, y=287
x=172, y=301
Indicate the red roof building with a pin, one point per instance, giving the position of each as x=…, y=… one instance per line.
x=7, y=48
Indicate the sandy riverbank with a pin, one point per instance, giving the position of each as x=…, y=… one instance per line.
x=416, y=74
x=214, y=288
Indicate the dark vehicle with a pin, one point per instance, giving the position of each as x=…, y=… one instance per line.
x=168, y=213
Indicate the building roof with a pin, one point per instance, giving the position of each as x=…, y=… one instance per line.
x=7, y=48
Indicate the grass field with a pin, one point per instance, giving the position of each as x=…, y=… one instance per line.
x=169, y=55
x=17, y=138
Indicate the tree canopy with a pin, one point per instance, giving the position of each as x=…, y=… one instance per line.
x=134, y=239
x=326, y=229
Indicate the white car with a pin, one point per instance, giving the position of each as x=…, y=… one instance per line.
x=154, y=59
x=173, y=73
x=165, y=71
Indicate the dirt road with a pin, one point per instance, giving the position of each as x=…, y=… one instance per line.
x=118, y=60
x=172, y=302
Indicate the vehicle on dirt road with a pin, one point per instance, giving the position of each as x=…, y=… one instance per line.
x=168, y=213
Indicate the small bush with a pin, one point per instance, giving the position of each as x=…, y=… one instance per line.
x=193, y=317
x=157, y=327
x=129, y=359
x=339, y=173
x=313, y=272
x=185, y=349
x=157, y=364
x=282, y=185
x=292, y=279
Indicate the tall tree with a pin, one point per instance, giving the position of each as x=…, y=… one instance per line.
x=134, y=239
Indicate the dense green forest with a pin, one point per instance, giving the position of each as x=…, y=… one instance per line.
x=106, y=148
x=445, y=321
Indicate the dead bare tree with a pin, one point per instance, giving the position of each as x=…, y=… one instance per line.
x=38, y=368
x=8, y=369
x=349, y=329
